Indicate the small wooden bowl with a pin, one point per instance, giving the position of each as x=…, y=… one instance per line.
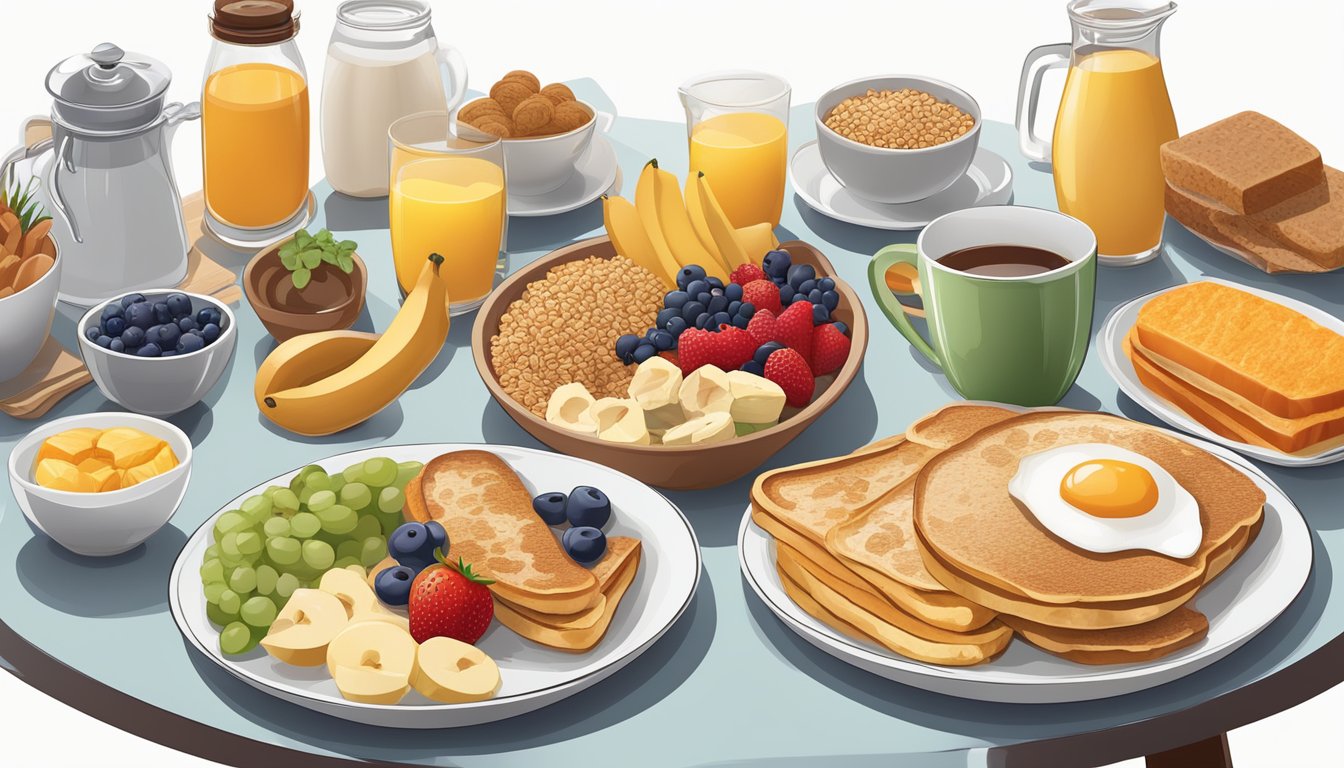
x=265, y=271
x=676, y=467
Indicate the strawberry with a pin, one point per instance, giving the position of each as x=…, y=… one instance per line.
x=830, y=349
x=745, y=273
x=762, y=294
x=793, y=328
x=694, y=349
x=450, y=601
x=762, y=327
x=737, y=347
x=726, y=349
x=788, y=369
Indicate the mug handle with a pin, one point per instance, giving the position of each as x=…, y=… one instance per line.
x=1039, y=61
x=883, y=260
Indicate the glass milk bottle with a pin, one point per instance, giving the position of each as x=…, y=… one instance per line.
x=254, y=123
x=383, y=63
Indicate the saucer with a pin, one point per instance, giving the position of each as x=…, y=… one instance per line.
x=989, y=181
x=596, y=172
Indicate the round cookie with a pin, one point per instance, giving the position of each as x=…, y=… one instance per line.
x=495, y=125
x=523, y=76
x=510, y=93
x=558, y=93
x=533, y=113
x=570, y=115
x=480, y=108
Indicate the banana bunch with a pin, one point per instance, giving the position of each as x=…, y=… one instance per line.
x=321, y=383
x=663, y=231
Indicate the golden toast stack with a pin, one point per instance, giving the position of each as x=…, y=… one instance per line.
x=916, y=544
x=539, y=592
x=1249, y=369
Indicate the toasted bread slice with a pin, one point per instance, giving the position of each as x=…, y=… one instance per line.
x=1265, y=352
x=1311, y=223
x=953, y=423
x=1179, y=629
x=1237, y=232
x=615, y=572
x=973, y=534
x=487, y=512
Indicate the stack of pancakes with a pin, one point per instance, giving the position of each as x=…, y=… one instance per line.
x=539, y=592
x=915, y=543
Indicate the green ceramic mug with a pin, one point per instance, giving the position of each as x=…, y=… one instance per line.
x=1010, y=339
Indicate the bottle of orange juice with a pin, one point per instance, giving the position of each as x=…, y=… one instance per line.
x=254, y=122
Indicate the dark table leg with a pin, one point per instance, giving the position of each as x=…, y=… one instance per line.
x=1209, y=753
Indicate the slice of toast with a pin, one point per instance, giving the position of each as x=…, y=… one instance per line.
x=1246, y=162
x=487, y=512
x=1179, y=629
x=953, y=423
x=1238, y=233
x=1311, y=223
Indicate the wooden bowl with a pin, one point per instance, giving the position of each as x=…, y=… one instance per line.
x=677, y=467
x=333, y=299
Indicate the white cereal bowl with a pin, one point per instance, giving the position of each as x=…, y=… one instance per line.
x=26, y=317
x=159, y=386
x=101, y=524
x=535, y=166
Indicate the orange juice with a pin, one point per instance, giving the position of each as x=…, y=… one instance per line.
x=453, y=206
x=254, y=136
x=743, y=156
x=1114, y=115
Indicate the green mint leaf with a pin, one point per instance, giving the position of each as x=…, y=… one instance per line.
x=346, y=263
x=311, y=259
x=301, y=278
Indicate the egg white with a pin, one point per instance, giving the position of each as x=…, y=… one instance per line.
x=1172, y=527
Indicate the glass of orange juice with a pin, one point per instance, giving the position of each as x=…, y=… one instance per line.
x=738, y=127
x=447, y=196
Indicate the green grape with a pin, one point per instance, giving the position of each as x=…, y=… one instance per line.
x=250, y=543
x=407, y=470
x=283, y=551
x=380, y=472
x=305, y=495
x=276, y=527
x=390, y=522
x=303, y=571
x=304, y=525
x=372, y=551
x=367, y=526
x=257, y=508
x=354, y=473
x=270, y=490
x=228, y=546
x=266, y=578
x=286, y=584
x=338, y=519
x=243, y=579
x=356, y=495
x=212, y=571
x=348, y=562
x=297, y=482
x=211, y=553
x=348, y=548
x=318, y=480
x=391, y=500
x=230, y=522
x=229, y=602
x=236, y=638
x=285, y=501
x=258, y=611
x=213, y=590
x=218, y=617
x=336, y=483
x=321, y=500
x=318, y=554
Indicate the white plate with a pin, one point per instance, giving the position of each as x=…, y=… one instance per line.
x=989, y=181
x=1110, y=343
x=595, y=172
x=534, y=676
x=1243, y=600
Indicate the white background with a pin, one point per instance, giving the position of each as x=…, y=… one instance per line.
x=1221, y=56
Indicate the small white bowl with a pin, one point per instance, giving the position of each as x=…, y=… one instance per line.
x=26, y=317
x=541, y=164
x=100, y=524
x=159, y=386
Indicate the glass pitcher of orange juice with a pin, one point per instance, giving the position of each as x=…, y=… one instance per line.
x=738, y=127
x=1113, y=117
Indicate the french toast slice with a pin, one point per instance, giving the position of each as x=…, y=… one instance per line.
x=1165, y=635
x=953, y=423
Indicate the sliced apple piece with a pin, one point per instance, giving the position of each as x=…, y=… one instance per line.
x=360, y=601
x=706, y=390
x=620, y=420
x=372, y=661
x=454, y=672
x=568, y=408
x=305, y=627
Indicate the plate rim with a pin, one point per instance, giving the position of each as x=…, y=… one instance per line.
x=577, y=202
x=326, y=703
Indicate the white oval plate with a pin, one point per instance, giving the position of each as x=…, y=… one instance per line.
x=1111, y=341
x=1243, y=600
x=534, y=676
x=596, y=172
x=989, y=181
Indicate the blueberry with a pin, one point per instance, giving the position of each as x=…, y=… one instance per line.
x=785, y=294
x=676, y=299
x=776, y=263
x=720, y=318
x=169, y=333
x=703, y=297
x=133, y=337
x=715, y=292
x=692, y=310
x=188, y=343
x=132, y=298
x=113, y=310
x=797, y=297
x=625, y=345
x=716, y=305
x=753, y=367
x=831, y=299
x=412, y=546
x=820, y=314
x=747, y=310
x=187, y=324
x=714, y=282
x=815, y=295
x=393, y=585
x=688, y=275
x=826, y=284
x=677, y=325
x=104, y=341
x=702, y=321
x=93, y=332
x=644, y=352
x=666, y=314
x=741, y=322
x=798, y=273
x=841, y=327
x=695, y=287
x=168, y=353
x=179, y=304
x=733, y=308
x=438, y=535
x=161, y=313
x=149, y=349
x=113, y=326
x=662, y=341
x=210, y=332
x=207, y=316
x=584, y=545
x=807, y=286
x=140, y=315
x=764, y=351
x=117, y=345
x=550, y=507
x=733, y=291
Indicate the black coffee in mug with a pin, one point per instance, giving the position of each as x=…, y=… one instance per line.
x=1003, y=260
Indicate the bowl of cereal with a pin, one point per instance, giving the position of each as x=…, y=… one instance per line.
x=897, y=138
x=553, y=326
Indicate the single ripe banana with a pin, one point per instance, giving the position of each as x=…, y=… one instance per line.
x=675, y=224
x=310, y=357
x=620, y=420
x=697, y=210
x=757, y=239
x=706, y=391
x=631, y=241
x=730, y=246
x=702, y=430
x=569, y=408
x=646, y=205
x=756, y=400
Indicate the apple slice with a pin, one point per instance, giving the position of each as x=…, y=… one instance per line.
x=454, y=672
x=361, y=604
x=305, y=627
x=372, y=661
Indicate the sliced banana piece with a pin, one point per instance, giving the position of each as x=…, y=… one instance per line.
x=657, y=382
x=620, y=420
x=569, y=408
x=706, y=391
x=756, y=400
x=702, y=430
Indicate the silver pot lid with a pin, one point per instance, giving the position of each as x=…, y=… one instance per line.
x=108, y=89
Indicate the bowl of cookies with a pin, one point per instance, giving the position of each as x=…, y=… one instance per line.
x=545, y=129
x=897, y=138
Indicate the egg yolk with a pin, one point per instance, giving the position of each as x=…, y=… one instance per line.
x=1109, y=488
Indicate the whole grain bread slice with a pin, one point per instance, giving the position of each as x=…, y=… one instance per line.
x=1236, y=232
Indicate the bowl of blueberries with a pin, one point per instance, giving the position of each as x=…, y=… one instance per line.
x=158, y=352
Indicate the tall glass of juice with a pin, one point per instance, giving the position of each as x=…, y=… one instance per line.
x=448, y=197
x=254, y=123
x=738, y=127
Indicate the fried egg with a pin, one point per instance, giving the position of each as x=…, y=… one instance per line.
x=1103, y=498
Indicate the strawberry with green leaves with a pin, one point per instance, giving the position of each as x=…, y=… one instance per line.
x=449, y=600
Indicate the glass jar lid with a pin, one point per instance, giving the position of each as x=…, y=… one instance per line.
x=108, y=88
x=254, y=22
x=378, y=15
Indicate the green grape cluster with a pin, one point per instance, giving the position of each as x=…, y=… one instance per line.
x=286, y=537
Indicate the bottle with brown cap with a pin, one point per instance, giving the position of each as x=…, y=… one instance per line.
x=254, y=123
